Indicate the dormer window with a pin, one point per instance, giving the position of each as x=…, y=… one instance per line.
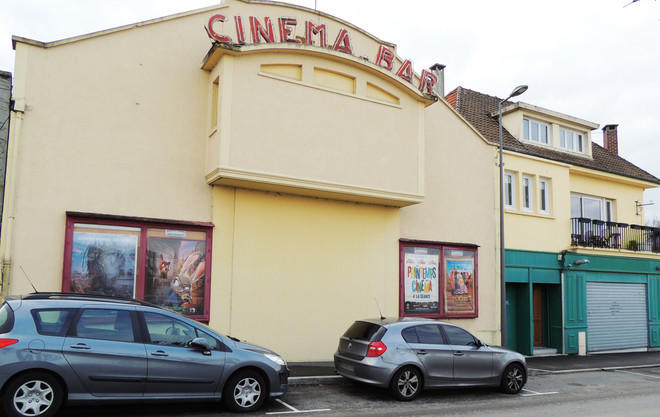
x=535, y=131
x=571, y=140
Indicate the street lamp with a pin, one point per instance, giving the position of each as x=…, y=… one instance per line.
x=516, y=92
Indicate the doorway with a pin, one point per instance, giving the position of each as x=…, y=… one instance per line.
x=546, y=318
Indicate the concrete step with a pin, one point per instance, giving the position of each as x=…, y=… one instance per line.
x=544, y=351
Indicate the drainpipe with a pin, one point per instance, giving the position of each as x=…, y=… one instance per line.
x=8, y=214
x=563, y=322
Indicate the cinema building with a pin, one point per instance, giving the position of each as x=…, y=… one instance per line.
x=269, y=169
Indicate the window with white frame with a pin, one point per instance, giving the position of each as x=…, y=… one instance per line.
x=536, y=131
x=594, y=208
x=544, y=195
x=571, y=140
x=527, y=193
x=510, y=190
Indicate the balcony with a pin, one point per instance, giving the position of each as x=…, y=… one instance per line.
x=612, y=235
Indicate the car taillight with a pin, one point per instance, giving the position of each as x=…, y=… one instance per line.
x=7, y=342
x=376, y=349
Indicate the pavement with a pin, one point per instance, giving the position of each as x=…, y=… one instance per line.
x=304, y=373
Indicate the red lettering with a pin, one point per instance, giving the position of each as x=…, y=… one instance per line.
x=320, y=30
x=287, y=27
x=212, y=33
x=343, y=42
x=406, y=71
x=385, y=58
x=240, y=33
x=258, y=30
x=427, y=82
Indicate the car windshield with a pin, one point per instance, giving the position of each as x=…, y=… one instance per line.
x=362, y=330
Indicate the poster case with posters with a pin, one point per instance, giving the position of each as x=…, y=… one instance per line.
x=421, y=274
x=176, y=270
x=164, y=263
x=438, y=280
x=103, y=260
x=460, y=282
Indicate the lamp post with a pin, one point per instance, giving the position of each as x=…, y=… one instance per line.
x=516, y=92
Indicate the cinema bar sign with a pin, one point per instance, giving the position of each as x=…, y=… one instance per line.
x=316, y=35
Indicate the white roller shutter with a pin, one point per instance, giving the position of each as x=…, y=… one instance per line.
x=617, y=316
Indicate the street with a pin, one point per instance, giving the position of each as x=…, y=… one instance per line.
x=630, y=392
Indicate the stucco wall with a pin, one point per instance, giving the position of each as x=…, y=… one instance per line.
x=459, y=206
x=292, y=273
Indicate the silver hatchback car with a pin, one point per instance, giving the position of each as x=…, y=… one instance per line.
x=408, y=355
x=58, y=347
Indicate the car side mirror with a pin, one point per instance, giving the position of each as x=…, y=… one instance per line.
x=201, y=344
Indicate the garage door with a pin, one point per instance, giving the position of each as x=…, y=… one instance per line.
x=617, y=316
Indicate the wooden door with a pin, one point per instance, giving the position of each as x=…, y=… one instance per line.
x=538, y=315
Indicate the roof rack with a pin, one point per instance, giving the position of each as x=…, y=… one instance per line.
x=91, y=297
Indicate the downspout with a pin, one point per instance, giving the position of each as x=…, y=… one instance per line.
x=8, y=215
x=563, y=320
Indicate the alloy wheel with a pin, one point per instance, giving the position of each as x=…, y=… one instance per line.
x=408, y=383
x=514, y=379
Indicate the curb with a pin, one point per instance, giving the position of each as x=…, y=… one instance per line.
x=317, y=380
x=338, y=379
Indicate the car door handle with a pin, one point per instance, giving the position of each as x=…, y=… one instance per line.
x=459, y=353
x=422, y=352
x=159, y=353
x=80, y=346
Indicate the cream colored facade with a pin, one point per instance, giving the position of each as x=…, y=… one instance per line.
x=310, y=163
x=564, y=179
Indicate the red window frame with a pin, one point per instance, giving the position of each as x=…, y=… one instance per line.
x=144, y=224
x=441, y=286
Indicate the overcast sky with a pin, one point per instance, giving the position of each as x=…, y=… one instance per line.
x=593, y=59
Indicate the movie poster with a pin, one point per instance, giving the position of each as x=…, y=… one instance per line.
x=459, y=293
x=103, y=260
x=176, y=270
x=421, y=277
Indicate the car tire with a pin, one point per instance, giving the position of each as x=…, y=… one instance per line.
x=406, y=384
x=35, y=394
x=513, y=379
x=244, y=391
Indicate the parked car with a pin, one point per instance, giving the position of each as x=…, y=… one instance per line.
x=408, y=355
x=57, y=347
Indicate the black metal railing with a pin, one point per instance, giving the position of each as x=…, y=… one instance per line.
x=613, y=235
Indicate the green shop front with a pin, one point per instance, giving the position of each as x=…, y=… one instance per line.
x=572, y=302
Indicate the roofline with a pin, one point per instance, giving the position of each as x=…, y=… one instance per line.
x=218, y=49
x=16, y=39
x=41, y=44
x=650, y=183
x=547, y=112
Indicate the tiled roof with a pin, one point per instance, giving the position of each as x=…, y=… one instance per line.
x=477, y=108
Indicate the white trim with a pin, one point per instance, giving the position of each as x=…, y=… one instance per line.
x=510, y=192
x=527, y=195
x=544, y=195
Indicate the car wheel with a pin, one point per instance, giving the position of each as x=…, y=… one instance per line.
x=513, y=379
x=406, y=384
x=33, y=394
x=244, y=391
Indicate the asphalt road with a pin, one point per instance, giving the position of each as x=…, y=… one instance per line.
x=630, y=393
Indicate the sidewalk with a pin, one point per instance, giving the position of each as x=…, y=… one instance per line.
x=324, y=372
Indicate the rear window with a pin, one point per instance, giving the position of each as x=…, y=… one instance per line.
x=52, y=322
x=362, y=330
x=6, y=318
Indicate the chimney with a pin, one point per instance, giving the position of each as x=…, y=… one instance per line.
x=439, y=71
x=610, y=141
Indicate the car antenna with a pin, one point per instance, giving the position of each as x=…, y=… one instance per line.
x=28, y=278
x=379, y=312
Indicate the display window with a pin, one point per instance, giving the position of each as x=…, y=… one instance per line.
x=438, y=280
x=165, y=263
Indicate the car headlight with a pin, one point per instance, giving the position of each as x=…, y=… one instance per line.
x=277, y=359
